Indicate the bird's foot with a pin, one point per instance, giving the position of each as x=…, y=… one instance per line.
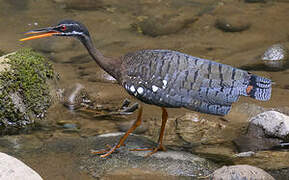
x=160, y=147
x=105, y=152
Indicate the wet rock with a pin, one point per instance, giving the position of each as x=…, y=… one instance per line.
x=158, y=26
x=275, y=124
x=234, y=23
x=194, y=130
x=124, y=126
x=282, y=174
x=12, y=168
x=244, y=172
x=265, y=131
x=170, y=163
x=26, y=100
x=276, y=57
x=80, y=4
x=255, y=140
x=68, y=125
x=245, y=154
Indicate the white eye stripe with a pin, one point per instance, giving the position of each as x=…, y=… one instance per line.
x=67, y=25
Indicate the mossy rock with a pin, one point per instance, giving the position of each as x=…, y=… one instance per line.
x=24, y=92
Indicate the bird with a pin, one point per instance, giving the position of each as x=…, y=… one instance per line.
x=167, y=79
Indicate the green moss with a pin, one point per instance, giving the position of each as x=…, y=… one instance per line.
x=26, y=78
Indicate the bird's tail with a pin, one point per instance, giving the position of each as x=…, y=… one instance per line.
x=259, y=88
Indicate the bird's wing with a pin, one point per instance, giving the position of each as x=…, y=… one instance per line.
x=173, y=79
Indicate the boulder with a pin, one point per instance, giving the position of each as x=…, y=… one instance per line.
x=24, y=90
x=14, y=169
x=266, y=131
x=275, y=124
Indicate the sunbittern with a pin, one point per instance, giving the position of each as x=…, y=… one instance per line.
x=168, y=79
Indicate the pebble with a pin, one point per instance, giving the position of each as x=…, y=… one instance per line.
x=233, y=23
x=245, y=154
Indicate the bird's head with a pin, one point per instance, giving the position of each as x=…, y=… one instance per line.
x=64, y=28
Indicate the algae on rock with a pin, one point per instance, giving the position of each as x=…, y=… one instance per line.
x=24, y=92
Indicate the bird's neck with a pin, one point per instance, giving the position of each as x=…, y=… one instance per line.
x=110, y=65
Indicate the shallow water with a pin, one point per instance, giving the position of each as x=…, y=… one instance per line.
x=112, y=26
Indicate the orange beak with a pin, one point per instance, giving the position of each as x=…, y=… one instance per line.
x=47, y=32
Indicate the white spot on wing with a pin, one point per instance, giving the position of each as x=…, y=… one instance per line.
x=165, y=84
x=155, y=88
x=140, y=90
x=132, y=89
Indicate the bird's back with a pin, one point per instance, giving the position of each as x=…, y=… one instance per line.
x=173, y=79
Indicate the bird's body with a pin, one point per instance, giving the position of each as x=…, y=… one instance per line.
x=168, y=78
x=172, y=79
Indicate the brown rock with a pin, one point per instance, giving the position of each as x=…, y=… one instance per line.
x=192, y=129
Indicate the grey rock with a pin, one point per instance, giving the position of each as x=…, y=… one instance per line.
x=282, y=174
x=255, y=139
x=276, y=56
x=265, y=131
x=175, y=163
x=240, y=172
x=245, y=154
x=12, y=168
x=275, y=124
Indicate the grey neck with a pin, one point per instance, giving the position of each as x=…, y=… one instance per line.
x=110, y=65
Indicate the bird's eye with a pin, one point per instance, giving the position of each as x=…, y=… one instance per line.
x=63, y=28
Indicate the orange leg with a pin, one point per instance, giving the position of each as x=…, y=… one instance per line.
x=160, y=146
x=123, y=138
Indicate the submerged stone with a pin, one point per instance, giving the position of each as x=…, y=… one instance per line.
x=276, y=57
x=169, y=163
